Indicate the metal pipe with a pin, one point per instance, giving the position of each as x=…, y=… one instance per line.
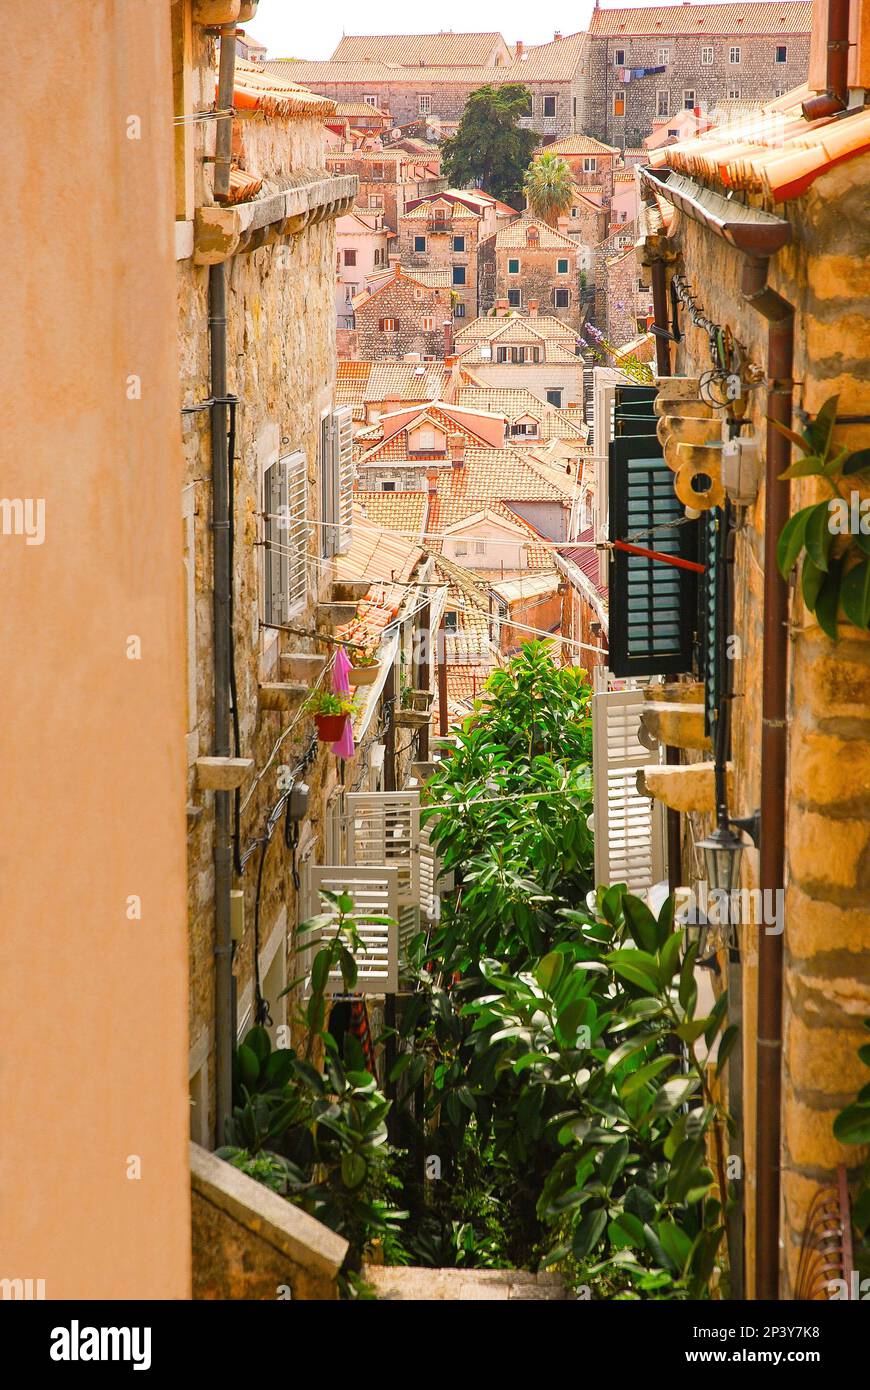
x=424, y=673
x=390, y=734
x=223, y=140
x=780, y=358
x=836, y=97
x=660, y=316
x=442, y=678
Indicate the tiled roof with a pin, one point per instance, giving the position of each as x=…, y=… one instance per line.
x=435, y=278
x=389, y=561
x=546, y=62
x=795, y=17
x=516, y=401
x=261, y=91
x=423, y=50
x=359, y=108
x=777, y=155
x=486, y=327
x=514, y=235
x=403, y=381
x=397, y=511
x=553, y=350
x=556, y=61
x=578, y=144
x=587, y=560
x=438, y=279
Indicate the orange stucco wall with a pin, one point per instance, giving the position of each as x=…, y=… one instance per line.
x=93, y=1002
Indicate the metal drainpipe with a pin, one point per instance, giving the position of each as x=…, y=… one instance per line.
x=780, y=358
x=836, y=98
x=223, y=144
x=224, y=1022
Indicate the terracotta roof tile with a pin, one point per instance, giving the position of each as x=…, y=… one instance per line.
x=514, y=402
x=267, y=94
x=419, y=50
x=396, y=511
x=515, y=235
x=794, y=17
x=579, y=144
x=486, y=327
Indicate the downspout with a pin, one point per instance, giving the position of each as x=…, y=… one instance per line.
x=224, y=1021
x=836, y=98
x=660, y=316
x=780, y=358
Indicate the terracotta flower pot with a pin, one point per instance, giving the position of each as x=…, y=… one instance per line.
x=330, y=727
x=363, y=675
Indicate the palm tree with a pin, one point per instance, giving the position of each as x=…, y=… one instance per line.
x=547, y=185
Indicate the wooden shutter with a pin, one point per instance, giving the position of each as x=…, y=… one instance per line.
x=384, y=828
x=342, y=446
x=294, y=531
x=652, y=604
x=328, y=530
x=277, y=568
x=374, y=890
x=629, y=827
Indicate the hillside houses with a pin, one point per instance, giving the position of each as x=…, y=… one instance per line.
x=528, y=262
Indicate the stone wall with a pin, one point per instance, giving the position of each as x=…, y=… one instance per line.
x=439, y=253
x=757, y=76
x=402, y=99
x=413, y=306
x=536, y=280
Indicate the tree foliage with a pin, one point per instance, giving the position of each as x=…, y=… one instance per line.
x=547, y=185
x=489, y=149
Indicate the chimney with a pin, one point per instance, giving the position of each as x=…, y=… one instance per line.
x=518, y=51
x=501, y=308
x=394, y=257
x=451, y=363
x=448, y=338
x=456, y=446
x=557, y=36
x=431, y=481
x=533, y=308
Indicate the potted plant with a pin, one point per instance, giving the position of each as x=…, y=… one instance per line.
x=365, y=668
x=331, y=713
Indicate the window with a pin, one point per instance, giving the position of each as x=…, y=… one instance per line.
x=480, y=547
x=424, y=105
x=419, y=243
x=513, y=265
x=336, y=480
x=549, y=106
x=375, y=200
x=619, y=57
x=461, y=548
x=459, y=275
x=554, y=396
x=781, y=53
x=562, y=298
x=734, y=54
x=562, y=265
x=618, y=104
x=515, y=298
x=733, y=93
x=459, y=311
x=428, y=323
x=388, y=487
x=689, y=98
x=388, y=325
x=590, y=164
x=451, y=620
x=664, y=56
x=285, y=503
x=425, y=443
x=370, y=101
x=377, y=171
x=663, y=103
x=706, y=57
x=459, y=243
x=350, y=258
x=574, y=210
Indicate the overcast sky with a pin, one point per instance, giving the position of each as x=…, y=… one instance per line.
x=312, y=31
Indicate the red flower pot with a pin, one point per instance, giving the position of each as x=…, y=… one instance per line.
x=330, y=727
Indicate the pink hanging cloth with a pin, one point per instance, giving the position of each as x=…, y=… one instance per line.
x=344, y=748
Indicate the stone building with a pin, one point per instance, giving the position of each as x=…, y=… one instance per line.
x=592, y=163
x=444, y=230
x=640, y=65
x=362, y=245
x=528, y=263
x=409, y=311
x=536, y=352
x=389, y=179
x=789, y=278
x=430, y=76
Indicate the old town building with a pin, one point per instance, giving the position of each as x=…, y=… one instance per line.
x=528, y=263
x=535, y=351
x=362, y=244
x=444, y=230
x=389, y=179
x=639, y=65
x=407, y=311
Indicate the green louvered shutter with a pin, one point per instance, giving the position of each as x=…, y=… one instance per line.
x=653, y=606
x=711, y=595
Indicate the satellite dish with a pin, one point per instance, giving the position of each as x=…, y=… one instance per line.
x=396, y=132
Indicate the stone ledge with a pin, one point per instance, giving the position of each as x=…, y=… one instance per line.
x=221, y=232
x=690, y=787
x=292, y=1232
x=676, y=724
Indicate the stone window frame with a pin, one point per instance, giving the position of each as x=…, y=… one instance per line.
x=734, y=92
x=562, y=261
x=551, y=97
x=376, y=202
x=461, y=248
x=370, y=100
x=554, y=391
x=459, y=310
x=419, y=249
x=734, y=48
x=517, y=301
x=619, y=57
x=428, y=323
x=783, y=49
x=563, y=290
x=664, y=57
x=663, y=92
x=350, y=255
x=424, y=103
x=708, y=55
x=514, y=261
x=689, y=92
x=460, y=271
x=590, y=164
x=619, y=104
x=388, y=325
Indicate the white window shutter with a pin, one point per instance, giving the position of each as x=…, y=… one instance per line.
x=384, y=828
x=295, y=534
x=275, y=505
x=429, y=870
x=629, y=827
x=343, y=470
x=328, y=494
x=375, y=890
